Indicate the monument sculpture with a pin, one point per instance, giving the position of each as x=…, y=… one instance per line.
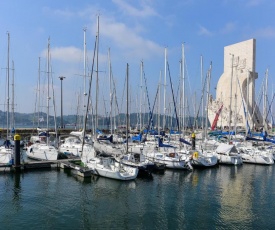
x=235, y=104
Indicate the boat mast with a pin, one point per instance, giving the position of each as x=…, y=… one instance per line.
x=111, y=92
x=265, y=102
x=141, y=94
x=97, y=88
x=164, y=88
x=38, y=106
x=12, y=103
x=159, y=103
x=235, y=96
x=183, y=90
x=230, y=98
x=127, y=109
x=202, y=85
x=207, y=98
x=84, y=76
x=48, y=88
x=8, y=84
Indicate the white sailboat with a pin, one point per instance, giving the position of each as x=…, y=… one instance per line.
x=105, y=166
x=42, y=150
x=6, y=153
x=251, y=154
x=109, y=167
x=72, y=144
x=202, y=158
x=170, y=156
x=228, y=154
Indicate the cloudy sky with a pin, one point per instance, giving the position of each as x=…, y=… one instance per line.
x=133, y=31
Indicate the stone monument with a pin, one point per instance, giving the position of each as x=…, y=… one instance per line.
x=235, y=91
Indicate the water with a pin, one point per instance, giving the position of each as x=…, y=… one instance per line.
x=224, y=197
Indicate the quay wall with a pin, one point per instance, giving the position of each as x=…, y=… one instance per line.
x=27, y=132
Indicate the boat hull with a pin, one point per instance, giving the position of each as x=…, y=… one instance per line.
x=40, y=151
x=107, y=167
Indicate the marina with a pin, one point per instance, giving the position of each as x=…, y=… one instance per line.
x=136, y=115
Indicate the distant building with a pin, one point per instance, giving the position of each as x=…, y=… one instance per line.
x=236, y=88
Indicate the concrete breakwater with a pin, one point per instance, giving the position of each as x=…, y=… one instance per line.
x=25, y=133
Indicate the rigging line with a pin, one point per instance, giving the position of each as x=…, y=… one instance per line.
x=175, y=108
x=149, y=125
x=116, y=101
x=54, y=107
x=202, y=97
x=190, y=88
x=148, y=101
x=269, y=109
x=245, y=110
x=89, y=95
x=124, y=88
x=259, y=100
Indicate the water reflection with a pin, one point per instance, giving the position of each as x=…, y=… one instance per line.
x=17, y=191
x=224, y=197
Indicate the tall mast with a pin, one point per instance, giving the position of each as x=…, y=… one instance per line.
x=159, y=104
x=12, y=103
x=235, y=96
x=84, y=75
x=164, y=88
x=265, y=101
x=8, y=84
x=180, y=100
x=247, y=100
x=111, y=92
x=183, y=89
x=207, y=98
x=48, y=87
x=141, y=93
x=38, y=104
x=202, y=106
x=230, y=101
x=127, y=109
x=96, y=102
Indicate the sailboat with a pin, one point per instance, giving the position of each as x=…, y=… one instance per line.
x=110, y=166
x=6, y=152
x=42, y=150
x=251, y=154
x=136, y=160
x=71, y=145
x=104, y=166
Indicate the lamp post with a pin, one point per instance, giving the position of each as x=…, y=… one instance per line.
x=61, y=120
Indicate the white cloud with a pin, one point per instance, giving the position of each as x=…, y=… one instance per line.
x=268, y=32
x=66, y=13
x=254, y=2
x=128, y=39
x=228, y=28
x=146, y=10
x=204, y=31
x=64, y=54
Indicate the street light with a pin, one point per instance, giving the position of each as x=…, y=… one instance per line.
x=61, y=120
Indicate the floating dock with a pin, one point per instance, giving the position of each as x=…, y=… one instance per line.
x=64, y=164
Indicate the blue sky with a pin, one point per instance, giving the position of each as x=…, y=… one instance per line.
x=134, y=30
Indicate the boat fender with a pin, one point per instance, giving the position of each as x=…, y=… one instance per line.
x=195, y=155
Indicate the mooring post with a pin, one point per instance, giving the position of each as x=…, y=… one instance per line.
x=193, y=141
x=17, y=139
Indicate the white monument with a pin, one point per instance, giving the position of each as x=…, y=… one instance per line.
x=236, y=89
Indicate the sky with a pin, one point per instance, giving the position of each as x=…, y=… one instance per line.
x=134, y=31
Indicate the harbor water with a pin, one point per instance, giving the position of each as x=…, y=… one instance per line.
x=223, y=197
